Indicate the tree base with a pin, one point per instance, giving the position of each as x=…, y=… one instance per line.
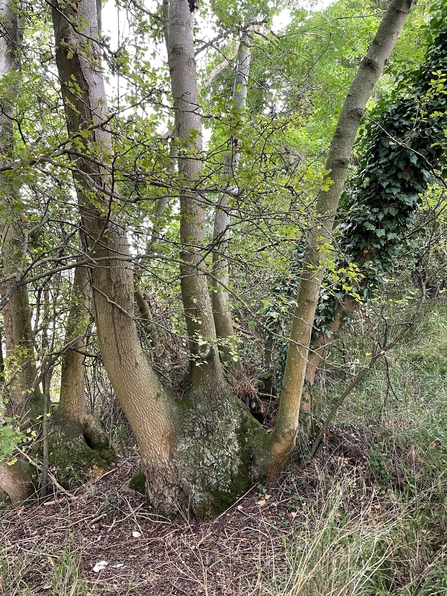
x=219, y=452
x=78, y=451
x=17, y=482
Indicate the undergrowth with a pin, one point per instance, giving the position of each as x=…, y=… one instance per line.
x=402, y=408
x=368, y=515
x=58, y=564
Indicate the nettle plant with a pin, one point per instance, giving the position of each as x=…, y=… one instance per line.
x=10, y=437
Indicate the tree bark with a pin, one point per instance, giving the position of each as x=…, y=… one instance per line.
x=221, y=234
x=72, y=413
x=151, y=411
x=205, y=364
x=72, y=402
x=319, y=239
x=196, y=453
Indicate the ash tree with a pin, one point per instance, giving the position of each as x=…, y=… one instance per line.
x=203, y=450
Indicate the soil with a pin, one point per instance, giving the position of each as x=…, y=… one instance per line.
x=242, y=551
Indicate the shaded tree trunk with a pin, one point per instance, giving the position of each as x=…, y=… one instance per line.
x=72, y=412
x=18, y=370
x=319, y=239
x=72, y=402
x=195, y=453
x=221, y=234
x=77, y=443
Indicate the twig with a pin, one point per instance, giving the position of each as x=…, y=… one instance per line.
x=55, y=501
x=38, y=465
x=356, y=380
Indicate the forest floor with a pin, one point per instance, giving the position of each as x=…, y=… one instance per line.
x=367, y=516
x=106, y=540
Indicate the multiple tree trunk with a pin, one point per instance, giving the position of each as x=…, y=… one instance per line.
x=204, y=451
x=71, y=423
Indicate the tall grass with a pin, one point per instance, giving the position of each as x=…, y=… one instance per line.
x=394, y=545
x=365, y=549
x=337, y=554
x=57, y=568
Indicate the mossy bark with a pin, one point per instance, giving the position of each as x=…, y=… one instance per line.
x=219, y=450
x=77, y=450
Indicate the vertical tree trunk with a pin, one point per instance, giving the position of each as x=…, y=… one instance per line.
x=72, y=411
x=205, y=364
x=151, y=411
x=221, y=234
x=319, y=239
x=75, y=442
x=196, y=453
x=72, y=402
x=25, y=399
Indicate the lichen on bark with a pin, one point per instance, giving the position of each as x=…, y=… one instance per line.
x=216, y=450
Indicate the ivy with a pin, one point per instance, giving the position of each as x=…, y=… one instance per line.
x=404, y=145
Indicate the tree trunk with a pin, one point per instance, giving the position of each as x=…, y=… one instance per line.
x=151, y=411
x=221, y=235
x=195, y=453
x=16, y=480
x=77, y=443
x=25, y=399
x=319, y=239
x=72, y=406
x=72, y=402
x=205, y=365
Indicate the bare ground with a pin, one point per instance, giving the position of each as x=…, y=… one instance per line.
x=51, y=547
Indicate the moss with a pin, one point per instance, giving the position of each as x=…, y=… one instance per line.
x=138, y=483
x=257, y=440
x=74, y=460
x=232, y=443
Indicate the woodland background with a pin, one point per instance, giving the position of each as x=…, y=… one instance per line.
x=153, y=282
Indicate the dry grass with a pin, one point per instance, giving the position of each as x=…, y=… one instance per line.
x=326, y=529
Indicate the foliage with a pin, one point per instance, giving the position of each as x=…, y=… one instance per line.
x=10, y=437
x=403, y=149
x=299, y=75
x=403, y=145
